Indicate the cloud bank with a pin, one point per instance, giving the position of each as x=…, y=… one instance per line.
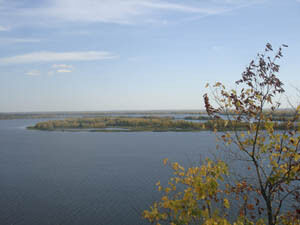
x=57, y=56
x=113, y=11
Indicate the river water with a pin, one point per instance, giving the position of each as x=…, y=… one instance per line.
x=86, y=178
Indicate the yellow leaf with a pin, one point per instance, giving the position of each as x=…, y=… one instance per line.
x=167, y=190
x=165, y=161
x=277, y=147
x=297, y=157
x=164, y=198
x=175, y=166
x=226, y=123
x=226, y=203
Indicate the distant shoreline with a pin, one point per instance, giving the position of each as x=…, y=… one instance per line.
x=49, y=115
x=281, y=115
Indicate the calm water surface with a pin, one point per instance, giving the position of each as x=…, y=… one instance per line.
x=85, y=178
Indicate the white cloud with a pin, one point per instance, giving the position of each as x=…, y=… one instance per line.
x=63, y=71
x=57, y=56
x=116, y=11
x=3, y=28
x=236, y=2
x=59, y=68
x=177, y=7
x=225, y=6
x=113, y=11
x=18, y=40
x=62, y=66
x=33, y=73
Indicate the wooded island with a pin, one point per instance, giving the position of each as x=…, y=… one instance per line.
x=135, y=124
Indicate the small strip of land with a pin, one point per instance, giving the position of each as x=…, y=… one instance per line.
x=117, y=124
x=137, y=124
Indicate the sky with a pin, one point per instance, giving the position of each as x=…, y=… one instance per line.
x=102, y=55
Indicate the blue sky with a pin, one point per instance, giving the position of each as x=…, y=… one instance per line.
x=81, y=55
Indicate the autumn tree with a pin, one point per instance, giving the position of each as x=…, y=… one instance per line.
x=270, y=195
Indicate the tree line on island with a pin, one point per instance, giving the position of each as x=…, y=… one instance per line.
x=147, y=124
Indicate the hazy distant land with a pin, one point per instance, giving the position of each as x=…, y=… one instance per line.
x=43, y=115
x=279, y=115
